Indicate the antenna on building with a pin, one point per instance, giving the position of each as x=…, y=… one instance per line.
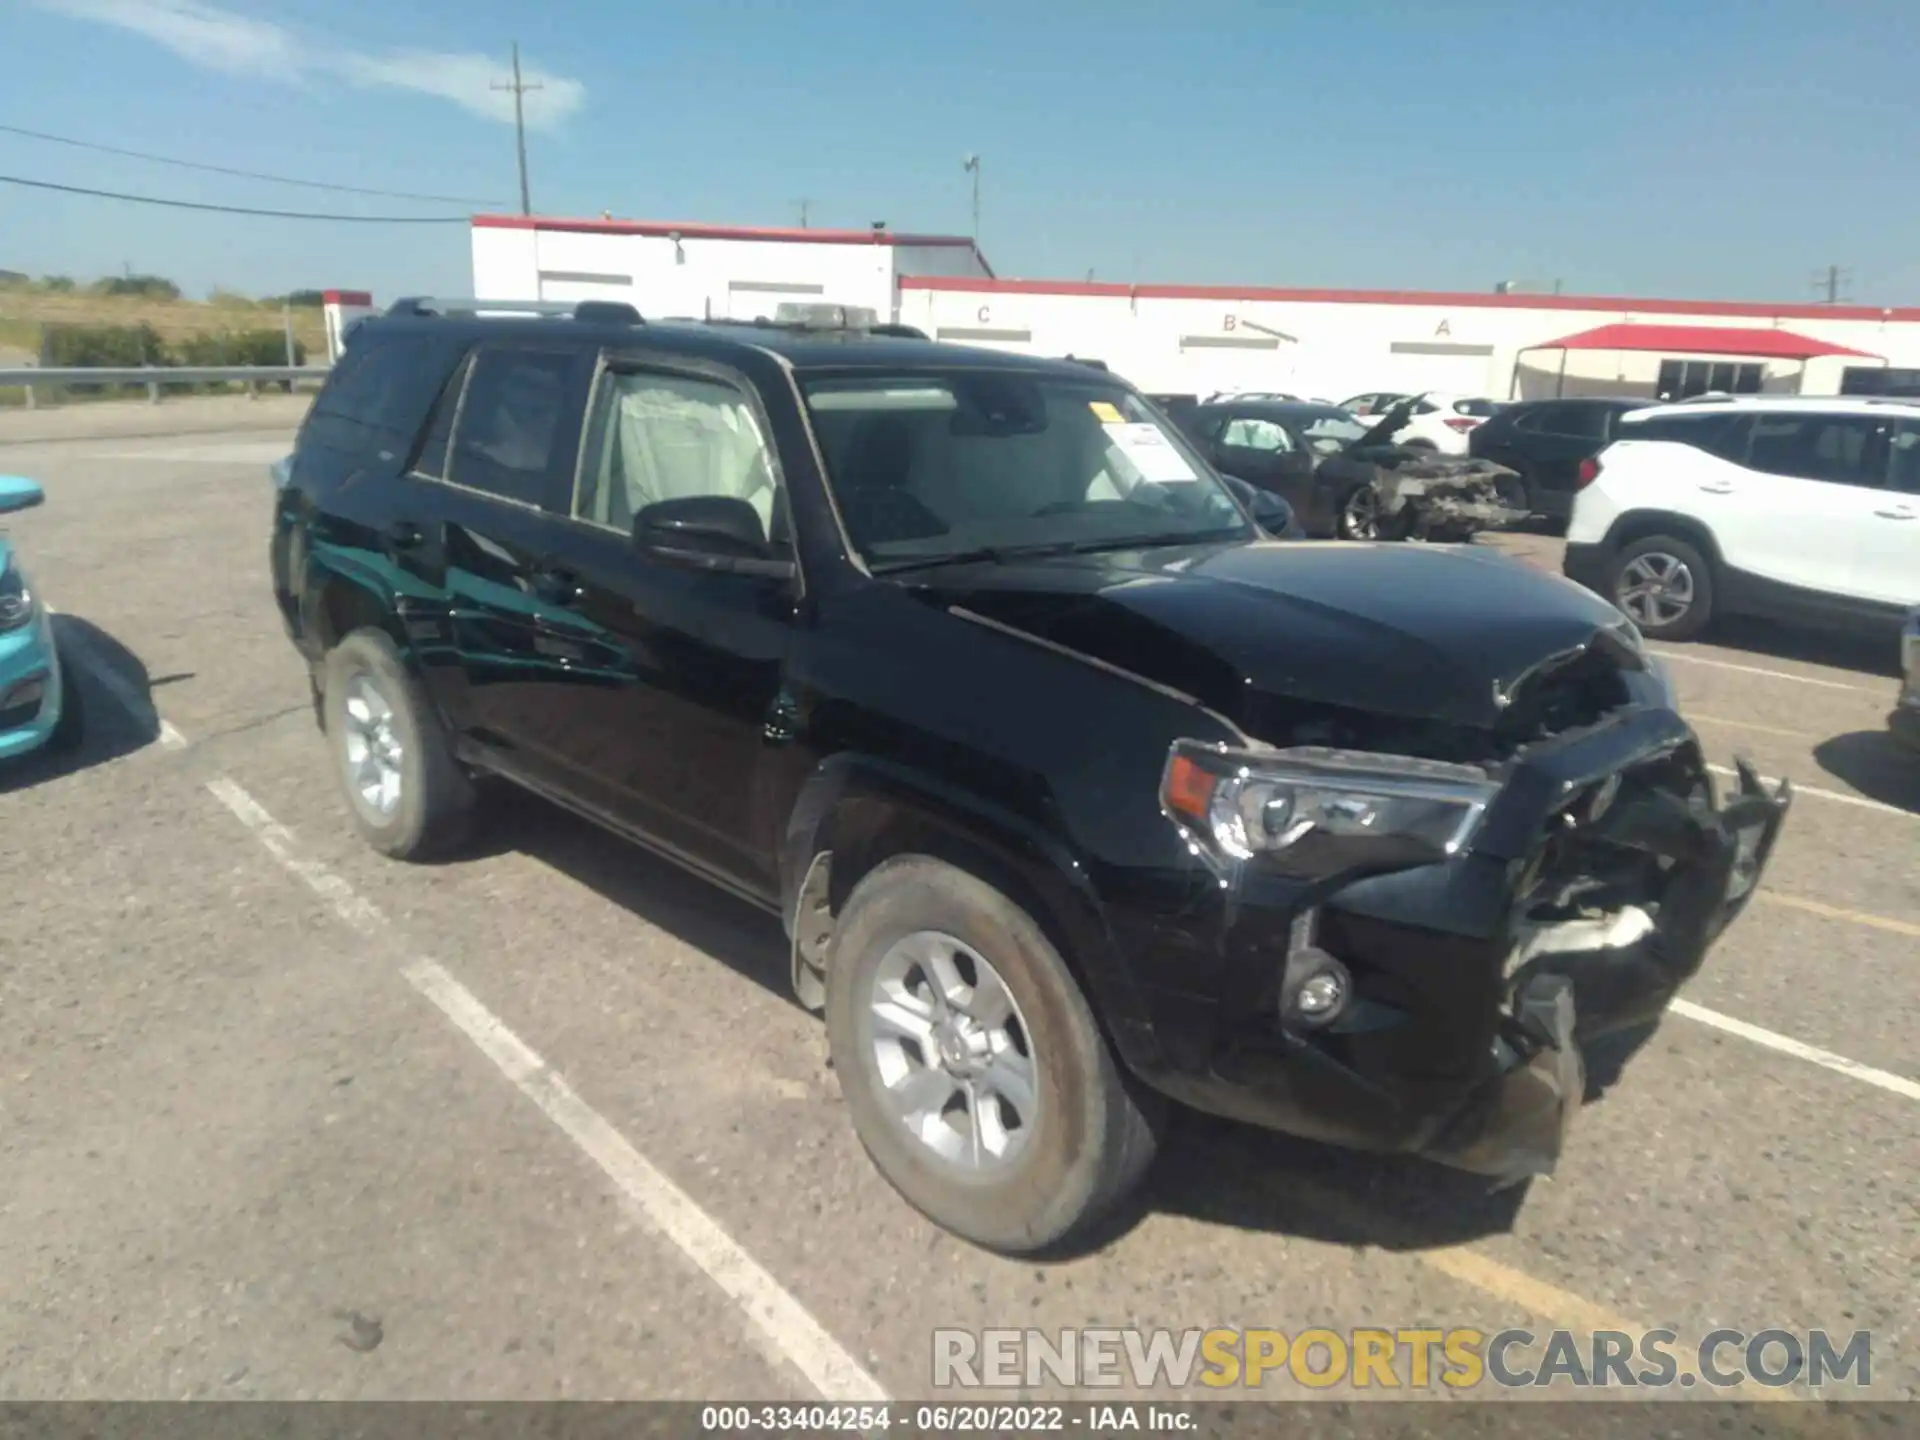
x=971, y=164
x=1830, y=280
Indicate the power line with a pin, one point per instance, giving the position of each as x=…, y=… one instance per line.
x=237, y=209
x=242, y=174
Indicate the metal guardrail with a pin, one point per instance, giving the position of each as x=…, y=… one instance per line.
x=36, y=377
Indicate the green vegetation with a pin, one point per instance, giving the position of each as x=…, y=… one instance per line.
x=142, y=320
x=81, y=346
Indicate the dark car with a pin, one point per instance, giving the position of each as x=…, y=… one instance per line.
x=1074, y=793
x=1344, y=476
x=1544, y=441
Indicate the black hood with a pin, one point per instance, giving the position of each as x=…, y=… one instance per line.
x=1265, y=630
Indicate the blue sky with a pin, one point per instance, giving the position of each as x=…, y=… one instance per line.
x=1711, y=149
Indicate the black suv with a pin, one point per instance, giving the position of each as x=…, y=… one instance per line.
x=1075, y=792
x=1545, y=441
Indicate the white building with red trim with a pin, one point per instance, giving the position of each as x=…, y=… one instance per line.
x=1205, y=338
x=706, y=271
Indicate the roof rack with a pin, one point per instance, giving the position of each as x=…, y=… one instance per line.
x=818, y=319
x=602, y=312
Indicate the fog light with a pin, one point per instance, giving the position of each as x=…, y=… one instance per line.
x=1320, y=995
x=1320, y=987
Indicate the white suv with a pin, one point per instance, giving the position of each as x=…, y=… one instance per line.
x=1793, y=508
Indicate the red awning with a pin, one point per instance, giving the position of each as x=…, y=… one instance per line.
x=1702, y=340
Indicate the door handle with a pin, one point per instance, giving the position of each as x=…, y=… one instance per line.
x=1900, y=512
x=1719, y=487
x=404, y=535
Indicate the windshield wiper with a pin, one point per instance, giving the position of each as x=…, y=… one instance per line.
x=992, y=554
x=1007, y=554
x=1153, y=542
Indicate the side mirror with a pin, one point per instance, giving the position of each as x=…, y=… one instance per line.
x=709, y=532
x=1271, y=513
x=19, y=493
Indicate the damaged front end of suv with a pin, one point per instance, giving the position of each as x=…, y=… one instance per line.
x=1463, y=922
x=1419, y=494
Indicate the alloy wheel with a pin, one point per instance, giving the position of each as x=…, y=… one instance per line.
x=1360, y=516
x=1656, y=589
x=954, y=1055
x=370, y=748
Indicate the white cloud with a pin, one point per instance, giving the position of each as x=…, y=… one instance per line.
x=468, y=81
x=203, y=34
x=218, y=39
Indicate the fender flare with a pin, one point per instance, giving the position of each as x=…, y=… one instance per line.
x=1644, y=520
x=327, y=565
x=828, y=813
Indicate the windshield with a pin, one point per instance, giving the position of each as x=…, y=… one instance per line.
x=1329, y=431
x=932, y=465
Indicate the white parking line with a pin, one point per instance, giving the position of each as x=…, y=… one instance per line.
x=782, y=1323
x=1814, y=790
x=1813, y=1055
x=1757, y=670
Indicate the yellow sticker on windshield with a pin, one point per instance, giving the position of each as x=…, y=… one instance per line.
x=1105, y=413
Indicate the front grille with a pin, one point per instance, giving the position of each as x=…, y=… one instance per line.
x=1575, y=693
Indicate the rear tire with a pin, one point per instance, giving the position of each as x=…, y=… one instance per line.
x=1665, y=585
x=1088, y=1132
x=408, y=795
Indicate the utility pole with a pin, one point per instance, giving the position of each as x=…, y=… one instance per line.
x=1831, y=281
x=520, y=88
x=972, y=166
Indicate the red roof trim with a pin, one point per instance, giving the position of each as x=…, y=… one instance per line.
x=695, y=231
x=346, y=297
x=1438, y=299
x=1702, y=340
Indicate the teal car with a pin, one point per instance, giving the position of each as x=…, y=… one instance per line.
x=39, y=709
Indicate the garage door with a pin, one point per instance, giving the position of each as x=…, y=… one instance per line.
x=1433, y=365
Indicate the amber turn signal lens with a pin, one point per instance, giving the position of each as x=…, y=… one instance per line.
x=1189, y=788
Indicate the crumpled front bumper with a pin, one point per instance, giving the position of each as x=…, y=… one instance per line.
x=31, y=686
x=1516, y=1125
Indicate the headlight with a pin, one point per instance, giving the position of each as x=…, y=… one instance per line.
x=16, y=600
x=1321, y=812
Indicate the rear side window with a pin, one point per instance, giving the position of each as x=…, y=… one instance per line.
x=518, y=423
x=1839, y=449
x=1577, y=421
x=432, y=459
x=1720, y=434
x=379, y=391
x=1251, y=432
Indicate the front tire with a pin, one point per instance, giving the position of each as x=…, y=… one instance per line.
x=1359, y=516
x=71, y=728
x=409, y=797
x=1664, y=585
x=979, y=1082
